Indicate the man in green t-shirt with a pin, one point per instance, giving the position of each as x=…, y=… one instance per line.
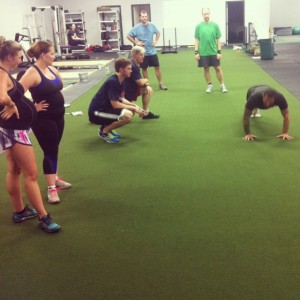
x=208, y=49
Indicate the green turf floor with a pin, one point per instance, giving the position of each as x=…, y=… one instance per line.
x=182, y=208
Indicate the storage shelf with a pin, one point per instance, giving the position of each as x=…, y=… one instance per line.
x=110, y=40
x=110, y=19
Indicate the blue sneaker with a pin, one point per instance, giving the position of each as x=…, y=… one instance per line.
x=48, y=225
x=108, y=137
x=115, y=134
x=27, y=214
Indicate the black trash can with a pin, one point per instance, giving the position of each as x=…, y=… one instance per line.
x=266, y=49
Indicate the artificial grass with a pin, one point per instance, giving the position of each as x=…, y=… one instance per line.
x=181, y=208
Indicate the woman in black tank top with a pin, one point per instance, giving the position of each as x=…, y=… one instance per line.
x=16, y=115
x=45, y=84
x=26, y=109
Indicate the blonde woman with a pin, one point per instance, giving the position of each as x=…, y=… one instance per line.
x=17, y=113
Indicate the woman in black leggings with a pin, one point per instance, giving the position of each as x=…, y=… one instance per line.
x=45, y=84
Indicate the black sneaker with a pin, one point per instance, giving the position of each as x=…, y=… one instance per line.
x=150, y=116
x=48, y=225
x=27, y=214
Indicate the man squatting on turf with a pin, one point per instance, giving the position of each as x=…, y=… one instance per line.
x=109, y=108
x=265, y=97
x=136, y=85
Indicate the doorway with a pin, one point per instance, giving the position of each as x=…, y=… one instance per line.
x=135, y=12
x=235, y=20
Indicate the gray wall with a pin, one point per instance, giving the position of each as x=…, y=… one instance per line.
x=285, y=13
x=165, y=13
x=15, y=14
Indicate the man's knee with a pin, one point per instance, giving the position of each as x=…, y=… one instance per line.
x=144, y=91
x=126, y=115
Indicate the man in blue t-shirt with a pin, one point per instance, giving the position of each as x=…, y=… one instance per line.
x=135, y=85
x=265, y=97
x=142, y=35
x=109, y=108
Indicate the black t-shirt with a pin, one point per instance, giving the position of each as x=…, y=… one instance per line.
x=111, y=90
x=255, y=98
x=71, y=33
x=26, y=108
x=131, y=87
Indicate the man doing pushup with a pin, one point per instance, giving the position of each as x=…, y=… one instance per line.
x=265, y=97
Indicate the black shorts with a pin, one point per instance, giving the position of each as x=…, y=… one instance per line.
x=208, y=61
x=150, y=61
x=106, y=117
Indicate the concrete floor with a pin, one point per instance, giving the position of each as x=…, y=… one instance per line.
x=285, y=67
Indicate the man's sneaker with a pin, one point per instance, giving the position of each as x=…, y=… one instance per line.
x=150, y=116
x=28, y=213
x=108, y=137
x=48, y=225
x=115, y=134
x=256, y=114
x=223, y=88
x=209, y=88
x=53, y=196
x=162, y=87
x=60, y=184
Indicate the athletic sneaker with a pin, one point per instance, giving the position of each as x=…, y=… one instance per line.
x=150, y=116
x=53, y=196
x=108, y=137
x=209, y=88
x=27, y=214
x=223, y=88
x=256, y=114
x=162, y=87
x=115, y=134
x=48, y=225
x=60, y=184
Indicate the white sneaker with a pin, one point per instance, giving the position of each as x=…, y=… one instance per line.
x=256, y=114
x=53, y=196
x=209, y=88
x=60, y=184
x=223, y=88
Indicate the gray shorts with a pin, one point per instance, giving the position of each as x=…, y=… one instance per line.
x=208, y=61
x=10, y=137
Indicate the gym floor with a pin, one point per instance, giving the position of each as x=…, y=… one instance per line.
x=181, y=208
